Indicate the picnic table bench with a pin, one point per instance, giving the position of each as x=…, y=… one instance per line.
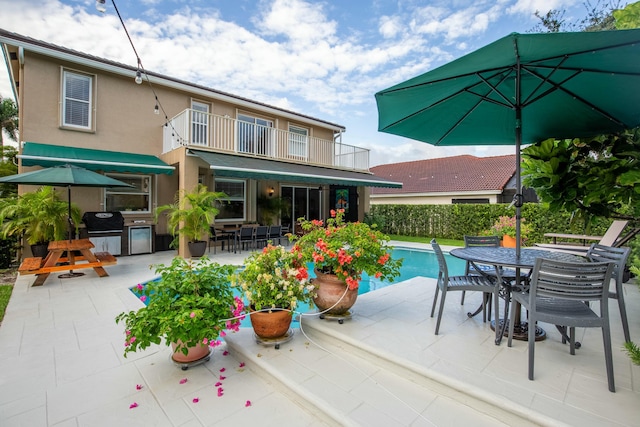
x=55, y=262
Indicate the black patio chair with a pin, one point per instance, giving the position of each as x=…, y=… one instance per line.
x=261, y=236
x=275, y=233
x=245, y=236
x=469, y=282
x=557, y=294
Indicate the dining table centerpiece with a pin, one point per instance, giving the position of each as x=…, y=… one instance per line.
x=188, y=307
x=275, y=282
x=341, y=252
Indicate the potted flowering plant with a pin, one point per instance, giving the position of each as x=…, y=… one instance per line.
x=274, y=281
x=189, y=306
x=341, y=252
x=506, y=226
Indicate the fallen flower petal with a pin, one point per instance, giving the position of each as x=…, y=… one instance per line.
x=196, y=400
x=184, y=380
x=248, y=403
x=218, y=384
x=222, y=378
x=225, y=353
x=138, y=386
x=133, y=405
x=223, y=369
x=241, y=365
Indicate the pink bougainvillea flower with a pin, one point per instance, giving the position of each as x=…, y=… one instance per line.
x=184, y=380
x=196, y=400
x=223, y=334
x=143, y=298
x=223, y=369
x=222, y=378
x=247, y=404
x=139, y=286
x=205, y=341
x=133, y=405
x=218, y=384
x=220, y=392
x=193, y=314
x=127, y=333
x=138, y=386
x=225, y=353
x=242, y=364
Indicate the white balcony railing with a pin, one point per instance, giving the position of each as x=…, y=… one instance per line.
x=220, y=133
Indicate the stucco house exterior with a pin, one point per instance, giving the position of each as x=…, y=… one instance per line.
x=447, y=180
x=166, y=134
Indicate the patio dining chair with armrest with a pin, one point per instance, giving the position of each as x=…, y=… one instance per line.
x=448, y=283
x=216, y=236
x=617, y=256
x=557, y=294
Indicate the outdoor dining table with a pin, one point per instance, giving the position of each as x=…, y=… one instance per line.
x=506, y=258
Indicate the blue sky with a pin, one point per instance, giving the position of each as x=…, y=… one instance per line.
x=325, y=59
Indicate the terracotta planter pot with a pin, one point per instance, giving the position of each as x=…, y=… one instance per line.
x=270, y=325
x=195, y=353
x=508, y=241
x=330, y=294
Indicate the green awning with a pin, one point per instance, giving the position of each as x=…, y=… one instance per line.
x=225, y=165
x=46, y=155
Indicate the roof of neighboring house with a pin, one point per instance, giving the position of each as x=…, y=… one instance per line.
x=455, y=174
x=8, y=37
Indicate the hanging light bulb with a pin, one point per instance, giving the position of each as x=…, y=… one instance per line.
x=138, y=78
x=101, y=6
x=156, y=109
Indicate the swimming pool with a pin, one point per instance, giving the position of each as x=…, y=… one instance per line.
x=416, y=262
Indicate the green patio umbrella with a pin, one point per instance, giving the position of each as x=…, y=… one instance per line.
x=64, y=175
x=522, y=89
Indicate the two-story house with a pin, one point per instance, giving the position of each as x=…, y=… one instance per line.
x=165, y=134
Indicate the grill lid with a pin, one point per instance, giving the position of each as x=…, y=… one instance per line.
x=103, y=221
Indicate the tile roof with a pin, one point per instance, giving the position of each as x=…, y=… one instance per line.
x=448, y=174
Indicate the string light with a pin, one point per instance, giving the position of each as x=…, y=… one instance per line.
x=101, y=6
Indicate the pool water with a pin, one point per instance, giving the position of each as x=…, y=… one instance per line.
x=415, y=263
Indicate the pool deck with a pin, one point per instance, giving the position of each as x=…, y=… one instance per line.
x=61, y=364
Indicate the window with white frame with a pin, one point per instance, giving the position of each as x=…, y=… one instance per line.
x=255, y=135
x=77, y=96
x=233, y=207
x=298, y=141
x=135, y=199
x=199, y=123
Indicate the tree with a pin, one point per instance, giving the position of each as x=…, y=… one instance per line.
x=8, y=119
x=600, y=17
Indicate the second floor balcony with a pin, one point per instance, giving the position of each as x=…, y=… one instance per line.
x=194, y=128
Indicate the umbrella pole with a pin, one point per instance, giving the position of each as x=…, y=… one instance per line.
x=71, y=273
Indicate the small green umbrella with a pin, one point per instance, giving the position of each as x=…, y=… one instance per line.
x=522, y=89
x=64, y=175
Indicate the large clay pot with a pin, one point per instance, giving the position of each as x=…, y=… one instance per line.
x=330, y=294
x=508, y=241
x=271, y=324
x=198, y=352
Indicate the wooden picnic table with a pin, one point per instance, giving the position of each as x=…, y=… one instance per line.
x=55, y=261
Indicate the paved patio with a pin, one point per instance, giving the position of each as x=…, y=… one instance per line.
x=61, y=364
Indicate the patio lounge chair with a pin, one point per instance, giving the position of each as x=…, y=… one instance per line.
x=459, y=283
x=557, y=295
x=610, y=238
